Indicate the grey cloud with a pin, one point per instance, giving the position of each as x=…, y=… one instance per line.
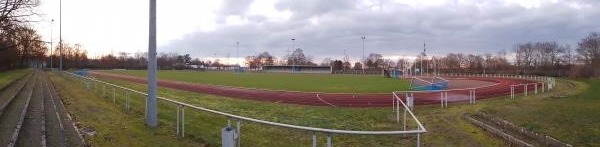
x=395, y=30
x=235, y=7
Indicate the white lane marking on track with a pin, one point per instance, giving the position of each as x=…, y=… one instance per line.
x=325, y=101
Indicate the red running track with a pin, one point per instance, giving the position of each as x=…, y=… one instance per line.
x=502, y=88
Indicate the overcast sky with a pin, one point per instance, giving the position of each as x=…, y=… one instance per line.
x=322, y=28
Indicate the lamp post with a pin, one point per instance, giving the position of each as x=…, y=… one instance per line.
x=422, y=56
x=51, y=26
x=151, y=102
x=237, y=53
x=60, y=33
x=363, y=54
x=295, y=57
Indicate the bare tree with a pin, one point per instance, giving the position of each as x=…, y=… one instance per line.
x=299, y=58
x=588, y=50
x=14, y=12
x=357, y=66
x=327, y=62
x=260, y=60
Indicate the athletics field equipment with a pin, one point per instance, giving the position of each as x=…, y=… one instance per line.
x=437, y=83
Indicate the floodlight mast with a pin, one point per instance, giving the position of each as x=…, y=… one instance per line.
x=151, y=111
x=237, y=53
x=363, y=54
x=51, y=33
x=60, y=33
x=296, y=56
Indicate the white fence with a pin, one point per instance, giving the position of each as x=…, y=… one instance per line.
x=539, y=83
x=93, y=84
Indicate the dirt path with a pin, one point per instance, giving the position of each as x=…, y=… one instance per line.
x=331, y=99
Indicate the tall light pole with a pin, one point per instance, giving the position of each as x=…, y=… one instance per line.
x=295, y=57
x=363, y=54
x=51, y=26
x=151, y=110
x=237, y=53
x=60, y=33
x=422, y=56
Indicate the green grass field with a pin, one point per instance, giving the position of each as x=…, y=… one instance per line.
x=281, y=81
x=572, y=118
x=9, y=76
x=571, y=115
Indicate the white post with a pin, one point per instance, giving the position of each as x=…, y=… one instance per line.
x=182, y=121
x=103, y=90
x=314, y=139
x=178, y=119
x=329, y=140
x=525, y=87
x=404, y=120
x=239, y=133
x=419, y=140
x=114, y=97
x=442, y=99
x=446, y=99
x=512, y=92
x=398, y=112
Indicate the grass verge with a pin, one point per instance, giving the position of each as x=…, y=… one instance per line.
x=9, y=76
x=570, y=115
x=113, y=126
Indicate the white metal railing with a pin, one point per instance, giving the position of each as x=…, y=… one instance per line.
x=181, y=116
x=546, y=83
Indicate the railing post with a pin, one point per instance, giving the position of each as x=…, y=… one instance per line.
x=471, y=96
x=543, y=87
x=418, y=139
x=178, y=119
x=398, y=112
x=474, y=95
x=445, y=96
x=404, y=119
x=103, y=90
x=442, y=99
x=536, y=88
x=182, y=121
x=146, y=107
x=114, y=96
x=239, y=133
x=329, y=144
x=393, y=102
x=314, y=139
x=127, y=100
x=512, y=92
x=525, y=87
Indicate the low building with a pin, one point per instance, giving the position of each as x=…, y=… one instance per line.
x=298, y=69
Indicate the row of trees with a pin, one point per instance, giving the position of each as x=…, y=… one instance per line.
x=124, y=60
x=542, y=58
x=20, y=45
x=265, y=58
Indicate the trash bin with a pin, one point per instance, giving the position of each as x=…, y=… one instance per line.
x=228, y=137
